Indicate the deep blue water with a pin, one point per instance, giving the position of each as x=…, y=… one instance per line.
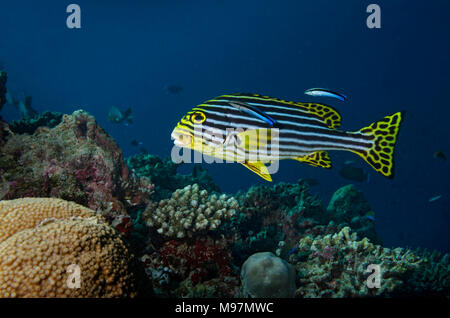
x=127, y=51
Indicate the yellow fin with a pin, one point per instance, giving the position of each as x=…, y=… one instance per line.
x=384, y=135
x=316, y=159
x=329, y=115
x=254, y=139
x=259, y=168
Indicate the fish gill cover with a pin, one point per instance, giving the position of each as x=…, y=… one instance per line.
x=88, y=158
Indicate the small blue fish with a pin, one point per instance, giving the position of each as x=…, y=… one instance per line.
x=323, y=92
x=434, y=198
x=252, y=111
x=291, y=251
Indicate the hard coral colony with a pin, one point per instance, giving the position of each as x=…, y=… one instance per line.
x=137, y=228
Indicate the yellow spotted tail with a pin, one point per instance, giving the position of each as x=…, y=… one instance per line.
x=381, y=154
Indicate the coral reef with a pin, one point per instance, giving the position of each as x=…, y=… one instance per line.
x=76, y=161
x=189, y=211
x=3, y=79
x=348, y=206
x=29, y=125
x=66, y=240
x=337, y=265
x=268, y=215
x=191, y=240
x=20, y=214
x=266, y=275
x=163, y=172
x=193, y=268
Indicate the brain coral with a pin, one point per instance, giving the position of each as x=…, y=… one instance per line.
x=12, y=213
x=266, y=275
x=71, y=254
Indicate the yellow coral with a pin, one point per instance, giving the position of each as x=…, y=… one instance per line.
x=77, y=255
x=26, y=213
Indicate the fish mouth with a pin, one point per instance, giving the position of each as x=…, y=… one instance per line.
x=181, y=138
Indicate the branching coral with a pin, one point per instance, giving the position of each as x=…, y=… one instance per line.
x=38, y=261
x=336, y=265
x=189, y=211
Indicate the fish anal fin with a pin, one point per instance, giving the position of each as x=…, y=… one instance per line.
x=259, y=168
x=316, y=159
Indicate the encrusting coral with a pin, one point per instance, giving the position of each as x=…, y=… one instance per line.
x=189, y=211
x=67, y=240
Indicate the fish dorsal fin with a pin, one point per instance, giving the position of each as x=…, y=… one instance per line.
x=254, y=139
x=259, y=168
x=316, y=159
x=328, y=114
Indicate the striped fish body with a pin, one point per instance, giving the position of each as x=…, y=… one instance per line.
x=254, y=130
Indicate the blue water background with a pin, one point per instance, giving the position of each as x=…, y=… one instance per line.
x=127, y=51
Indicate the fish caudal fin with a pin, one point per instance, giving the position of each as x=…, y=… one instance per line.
x=316, y=159
x=381, y=154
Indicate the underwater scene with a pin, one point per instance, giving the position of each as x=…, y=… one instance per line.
x=224, y=149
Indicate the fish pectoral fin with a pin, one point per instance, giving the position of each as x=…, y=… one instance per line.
x=254, y=139
x=259, y=168
x=316, y=159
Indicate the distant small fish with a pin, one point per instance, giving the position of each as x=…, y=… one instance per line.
x=353, y=173
x=118, y=116
x=291, y=251
x=434, y=198
x=440, y=155
x=135, y=143
x=173, y=89
x=323, y=92
x=370, y=215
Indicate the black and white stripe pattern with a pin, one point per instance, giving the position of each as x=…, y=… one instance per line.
x=299, y=131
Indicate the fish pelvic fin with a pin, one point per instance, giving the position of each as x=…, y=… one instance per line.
x=316, y=159
x=381, y=154
x=259, y=168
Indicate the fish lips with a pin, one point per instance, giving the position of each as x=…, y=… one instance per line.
x=181, y=138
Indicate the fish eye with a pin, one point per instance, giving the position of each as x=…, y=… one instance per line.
x=198, y=118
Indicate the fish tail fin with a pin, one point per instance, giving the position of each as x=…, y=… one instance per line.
x=384, y=133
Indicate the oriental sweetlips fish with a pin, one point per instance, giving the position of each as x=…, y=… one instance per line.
x=238, y=127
